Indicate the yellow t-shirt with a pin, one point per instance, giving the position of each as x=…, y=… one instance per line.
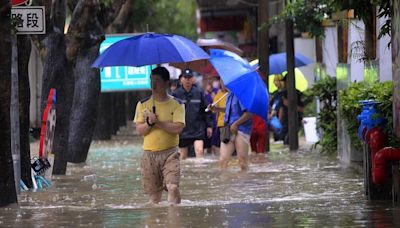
x=167, y=111
x=220, y=104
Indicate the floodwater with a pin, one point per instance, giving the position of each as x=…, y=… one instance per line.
x=302, y=189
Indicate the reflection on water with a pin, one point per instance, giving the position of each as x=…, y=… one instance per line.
x=291, y=189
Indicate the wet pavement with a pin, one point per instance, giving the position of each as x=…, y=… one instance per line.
x=302, y=189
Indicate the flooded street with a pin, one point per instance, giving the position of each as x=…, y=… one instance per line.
x=301, y=189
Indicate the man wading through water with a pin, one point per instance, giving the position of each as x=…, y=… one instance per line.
x=160, y=119
x=199, y=123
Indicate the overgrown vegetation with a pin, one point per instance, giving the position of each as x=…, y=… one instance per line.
x=360, y=6
x=350, y=108
x=307, y=15
x=325, y=89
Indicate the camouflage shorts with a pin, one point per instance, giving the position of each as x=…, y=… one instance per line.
x=159, y=169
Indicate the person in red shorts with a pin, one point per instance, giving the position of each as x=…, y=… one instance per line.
x=258, y=139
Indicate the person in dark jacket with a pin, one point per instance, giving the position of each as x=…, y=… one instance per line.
x=283, y=112
x=198, y=122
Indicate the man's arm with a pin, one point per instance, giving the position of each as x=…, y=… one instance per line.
x=246, y=116
x=207, y=115
x=214, y=108
x=170, y=127
x=142, y=128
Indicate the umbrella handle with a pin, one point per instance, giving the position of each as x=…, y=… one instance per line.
x=214, y=103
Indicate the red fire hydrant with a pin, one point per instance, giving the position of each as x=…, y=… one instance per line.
x=383, y=156
x=376, y=140
x=380, y=154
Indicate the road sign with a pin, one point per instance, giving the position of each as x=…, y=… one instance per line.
x=123, y=78
x=31, y=19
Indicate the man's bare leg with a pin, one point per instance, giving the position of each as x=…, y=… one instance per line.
x=174, y=196
x=215, y=150
x=155, y=197
x=242, y=149
x=183, y=151
x=225, y=154
x=199, y=148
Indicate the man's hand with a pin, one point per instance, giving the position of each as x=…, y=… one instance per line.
x=211, y=108
x=152, y=118
x=209, y=132
x=234, y=128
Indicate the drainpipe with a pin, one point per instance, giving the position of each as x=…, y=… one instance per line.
x=382, y=157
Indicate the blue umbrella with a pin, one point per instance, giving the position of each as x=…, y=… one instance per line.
x=277, y=62
x=242, y=79
x=149, y=49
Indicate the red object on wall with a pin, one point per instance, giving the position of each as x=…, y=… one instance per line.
x=18, y=2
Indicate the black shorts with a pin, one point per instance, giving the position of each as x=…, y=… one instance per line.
x=187, y=142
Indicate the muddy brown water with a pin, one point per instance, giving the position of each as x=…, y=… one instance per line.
x=302, y=189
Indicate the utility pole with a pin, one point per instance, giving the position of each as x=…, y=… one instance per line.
x=263, y=47
x=291, y=89
x=14, y=112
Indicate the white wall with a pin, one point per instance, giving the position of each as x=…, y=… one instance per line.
x=385, y=55
x=356, y=33
x=306, y=47
x=330, y=50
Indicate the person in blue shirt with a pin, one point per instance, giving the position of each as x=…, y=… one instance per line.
x=239, y=121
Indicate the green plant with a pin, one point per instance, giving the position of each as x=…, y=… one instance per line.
x=360, y=6
x=325, y=90
x=350, y=108
x=307, y=15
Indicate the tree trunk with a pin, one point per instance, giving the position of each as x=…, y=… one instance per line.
x=370, y=32
x=291, y=89
x=109, y=120
x=103, y=130
x=121, y=109
x=263, y=49
x=343, y=40
x=84, y=108
x=395, y=38
x=56, y=70
x=132, y=101
x=122, y=19
x=24, y=101
x=8, y=193
x=84, y=38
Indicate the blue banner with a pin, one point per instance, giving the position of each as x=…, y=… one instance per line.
x=123, y=78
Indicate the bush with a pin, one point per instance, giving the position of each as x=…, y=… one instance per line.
x=325, y=89
x=350, y=108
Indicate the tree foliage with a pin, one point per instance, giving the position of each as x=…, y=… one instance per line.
x=307, y=15
x=359, y=6
x=175, y=17
x=165, y=16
